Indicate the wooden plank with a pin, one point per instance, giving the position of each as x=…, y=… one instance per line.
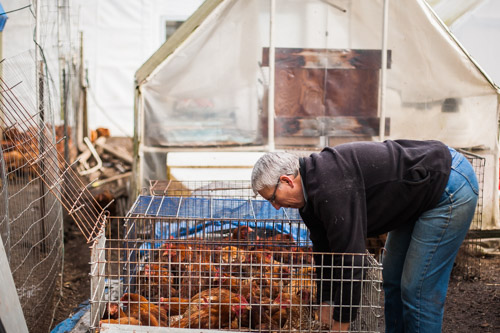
x=303, y=92
x=329, y=126
x=326, y=58
x=481, y=234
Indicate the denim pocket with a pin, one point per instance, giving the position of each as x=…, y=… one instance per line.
x=462, y=167
x=466, y=171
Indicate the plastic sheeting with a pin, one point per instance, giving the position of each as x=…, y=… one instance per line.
x=212, y=90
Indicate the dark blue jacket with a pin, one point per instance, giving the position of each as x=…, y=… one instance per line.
x=362, y=189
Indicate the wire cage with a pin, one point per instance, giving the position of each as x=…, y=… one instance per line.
x=213, y=255
x=468, y=261
x=228, y=274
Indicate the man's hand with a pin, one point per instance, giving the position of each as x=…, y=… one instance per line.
x=326, y=316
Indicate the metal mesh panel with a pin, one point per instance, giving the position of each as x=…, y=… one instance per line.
x=246, y=278
x=214, y=255
x=39, y=183
x=32, y=227
x=4, y=212
x=204, y=188
x=31, y=158
x=468, y=261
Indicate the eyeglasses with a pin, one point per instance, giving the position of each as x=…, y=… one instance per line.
x=273, y=197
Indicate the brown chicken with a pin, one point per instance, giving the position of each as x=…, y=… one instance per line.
x=175, y=252
x=266, y=316
x=215, y=308
x=157, y=281
x=243, y=233
x=220, y=298
x=147, y=313
x=17, y=165
x=238, y=285
x=203, y=318
x=113, y=311
x=232, y=255
x=299, y=315
x=155, y=274
x=305, y=280
x=105, y=199
x=197, y=277
x=174, y=306
x=263, y=264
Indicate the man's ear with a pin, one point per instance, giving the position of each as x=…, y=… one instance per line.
x=287, y=179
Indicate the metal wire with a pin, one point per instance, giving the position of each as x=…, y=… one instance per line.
x=37, y=184
x=35, y=149
x=230, y=267
x=468, y=261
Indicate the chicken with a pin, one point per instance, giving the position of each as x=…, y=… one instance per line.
x=376, y=244
x=16, y=162
x=303, y=256
x=242, y=286
x=299, y=315
x=105, y=199
x=147, y=313
x=7, y=145
x=158, y=281
x=174, y=306
x=243, y=233
x=232, y=254
x=155, y=274
x=265, y=316
x=214, y=308
x=102, y=131
x=263, y=264
x=219, y=298
x=305, y=278
x=196, y=278
x=174, y=252
x=203, y=318
x=271, y=287
x=113, y=311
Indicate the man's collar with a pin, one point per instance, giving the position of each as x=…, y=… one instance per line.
x=302, y=171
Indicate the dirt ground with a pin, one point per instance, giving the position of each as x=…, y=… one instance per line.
x=471, y=306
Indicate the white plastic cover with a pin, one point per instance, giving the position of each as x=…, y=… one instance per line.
x=212, y=90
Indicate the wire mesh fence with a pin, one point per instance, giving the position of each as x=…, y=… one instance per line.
x=468, y=261
x=32, y=228
x=228, y=274
x=37, y=184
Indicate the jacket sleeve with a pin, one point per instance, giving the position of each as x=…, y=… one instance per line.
x=338, y=274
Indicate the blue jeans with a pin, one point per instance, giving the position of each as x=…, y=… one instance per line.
x=419, y=258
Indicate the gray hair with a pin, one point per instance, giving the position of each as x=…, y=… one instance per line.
x=271, y=166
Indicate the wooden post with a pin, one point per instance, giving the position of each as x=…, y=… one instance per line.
x=41, y=152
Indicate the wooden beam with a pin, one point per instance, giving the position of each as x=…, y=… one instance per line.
x=326, y=58
x=329, y=126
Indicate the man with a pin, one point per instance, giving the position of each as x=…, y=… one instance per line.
x=422, y=193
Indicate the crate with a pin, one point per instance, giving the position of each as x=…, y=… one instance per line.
x=245, y=274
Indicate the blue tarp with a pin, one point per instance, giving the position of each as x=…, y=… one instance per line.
x=68, y=324
x=3, y=18
x=222, y=214
x=163, y=206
